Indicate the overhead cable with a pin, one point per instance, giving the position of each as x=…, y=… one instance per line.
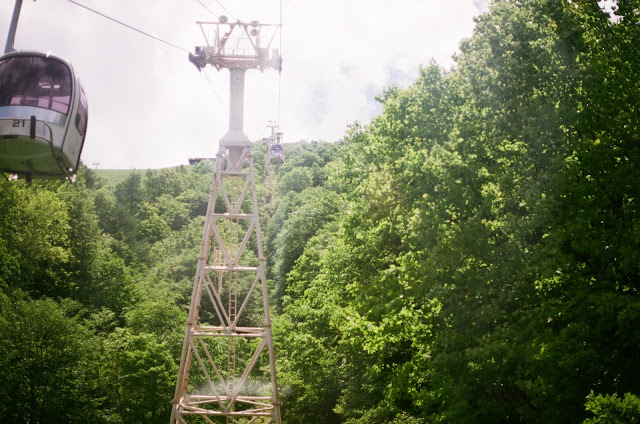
x=217, y=95
x=209, y=10
x=155, y=38
x=225, y=9
x=128, y=26
x=280, y=70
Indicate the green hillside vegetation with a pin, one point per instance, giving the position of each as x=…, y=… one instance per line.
x=114, y=176
x=470, y=256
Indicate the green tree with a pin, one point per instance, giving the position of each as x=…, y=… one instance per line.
x=139, y=374
x=35, y=227
x=169, y=182
x=295, y=180
x=318, y=206
x=46, y=374
x=611, y=409
x=488, y=277
x=310, y=369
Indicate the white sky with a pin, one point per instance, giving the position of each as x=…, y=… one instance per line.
x=150, y=108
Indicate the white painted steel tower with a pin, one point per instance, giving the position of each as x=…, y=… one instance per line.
x=227, y=367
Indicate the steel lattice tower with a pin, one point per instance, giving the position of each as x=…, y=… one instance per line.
x=227, y=366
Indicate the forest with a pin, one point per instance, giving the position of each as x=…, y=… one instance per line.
x=470, y=256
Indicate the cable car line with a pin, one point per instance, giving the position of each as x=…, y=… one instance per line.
x=280, y=70
x=226, y=10
x=209, y=10
x=128, y=26
x=155, y=38
x=224, y=108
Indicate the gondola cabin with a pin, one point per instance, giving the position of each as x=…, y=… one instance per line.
x=43, y=116
x=276, y=154
x=276, y=151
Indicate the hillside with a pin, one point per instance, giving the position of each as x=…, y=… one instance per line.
x=471, y=256
x=114, y=176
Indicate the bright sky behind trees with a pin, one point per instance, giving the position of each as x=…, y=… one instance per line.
x=150, y=108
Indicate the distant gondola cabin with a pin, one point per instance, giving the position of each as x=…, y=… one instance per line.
x=43, y=116
x=276, y=154
x=276, y=150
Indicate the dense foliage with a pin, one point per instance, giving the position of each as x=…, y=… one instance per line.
x=471, y=256
x=483, y=267
x=93, y=281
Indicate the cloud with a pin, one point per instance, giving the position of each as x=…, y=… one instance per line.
x=150, y=108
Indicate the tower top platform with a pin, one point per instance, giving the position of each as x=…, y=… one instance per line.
x=238, y=45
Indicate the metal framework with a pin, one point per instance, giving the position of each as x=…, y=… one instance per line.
x=227, y=367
